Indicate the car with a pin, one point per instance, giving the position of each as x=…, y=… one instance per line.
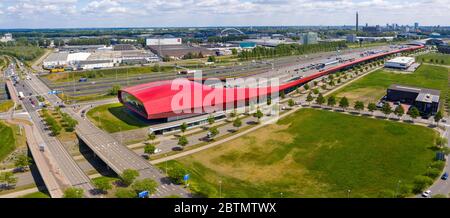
x=426, y=194
x=445, y=176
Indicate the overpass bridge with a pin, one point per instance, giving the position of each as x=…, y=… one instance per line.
x=115, y=155
x=56, y=167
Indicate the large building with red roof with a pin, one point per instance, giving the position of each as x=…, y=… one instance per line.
x=181, y=97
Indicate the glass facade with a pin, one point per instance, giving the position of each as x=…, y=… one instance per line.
x=133, y=102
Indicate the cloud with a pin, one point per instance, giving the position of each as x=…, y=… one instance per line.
x=91, y=13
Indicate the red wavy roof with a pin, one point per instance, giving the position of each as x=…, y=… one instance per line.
x=158, y=97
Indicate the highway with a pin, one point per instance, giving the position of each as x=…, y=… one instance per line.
x=109, y=150
x=65, y=165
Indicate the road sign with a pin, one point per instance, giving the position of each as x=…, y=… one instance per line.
x=186, y=177
x=143, y=194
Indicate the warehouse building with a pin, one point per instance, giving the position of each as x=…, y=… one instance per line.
x=164, y=41
x=425, y=100
x=179, y=51
x=400, y=63
x=91, y=65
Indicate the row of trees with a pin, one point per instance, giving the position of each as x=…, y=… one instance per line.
x=289, y=49
x=8, y=180
x=52, y=123
x=68, y=122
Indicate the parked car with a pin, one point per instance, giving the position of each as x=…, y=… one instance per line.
x=426, y=194
x=445, y=176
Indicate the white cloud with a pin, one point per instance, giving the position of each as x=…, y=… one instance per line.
x=224, y=12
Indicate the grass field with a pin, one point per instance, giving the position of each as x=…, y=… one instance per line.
x=36, y=195
x=313, y=153
x=372, y=87
x=7, y=140
x=113, y=118
x=6, y=105
x=443, y=59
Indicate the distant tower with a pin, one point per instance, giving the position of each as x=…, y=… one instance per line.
x=357, y=22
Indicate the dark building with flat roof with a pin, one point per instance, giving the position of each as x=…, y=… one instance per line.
x=426, y=100
x=445, y=49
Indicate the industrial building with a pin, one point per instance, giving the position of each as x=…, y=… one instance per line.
x=400, y=63
x=445, y=49
x=177, y=52
x=94, y=57
x=8, y=37
x=425, y=100
x=164, y=41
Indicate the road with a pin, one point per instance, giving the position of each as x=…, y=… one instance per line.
x=115, y=155
x=65, y=165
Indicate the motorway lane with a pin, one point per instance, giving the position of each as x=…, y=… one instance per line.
x=115, y=155
x=65, y=163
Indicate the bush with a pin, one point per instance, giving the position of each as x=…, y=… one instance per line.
x=437, y=165
x=420, y=183
x=433, y=173
x=125, y=193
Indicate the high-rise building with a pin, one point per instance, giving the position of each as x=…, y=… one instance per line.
x=310, y=38
x=416, y=26
x=357, y=22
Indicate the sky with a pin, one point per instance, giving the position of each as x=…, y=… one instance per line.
x=201, y=13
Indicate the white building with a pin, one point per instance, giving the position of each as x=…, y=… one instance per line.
x=98, y=64
x=400, y=62
x=7, y=38
x=164, y=41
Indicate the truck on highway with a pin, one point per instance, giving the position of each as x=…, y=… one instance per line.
x=189, y=71
x=21, y=95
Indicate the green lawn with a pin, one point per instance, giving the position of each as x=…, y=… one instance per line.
x=7, y=140
x=36, y=195
x=313, y=153
x=434, y=58
x=114, y=118
x=372, y=87
x=6, y=105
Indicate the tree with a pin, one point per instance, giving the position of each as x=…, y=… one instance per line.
x=331, y=101
x=149, y=149
x=421, y=182
x=212, y=58
x=291, y=103
x=8, y=179
x=309, y=98
x=359, y=106
x=22, y=162
x=399, y=111
x=211, y=120
x=73, y=192
x=213, y=132
x=259, y=114
x=414, y=113
x=372, y=107
x=149, y=185
x=438, y=117
x=151, y=136
x=114, y=90
x=182, y=141
x=125, y=193
x=234, y=51
x=306, y=86
x=237, y=123
x=441, y=141
x=176, y=174
x=386, y=109
x=102, y=184
x=343, y=103
x=128, y=176
x=282, y=95
x=183, y=127
x=320, y=99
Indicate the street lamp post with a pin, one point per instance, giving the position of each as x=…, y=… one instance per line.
x=348, y=193
x=398, y=186
x=220, y=188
